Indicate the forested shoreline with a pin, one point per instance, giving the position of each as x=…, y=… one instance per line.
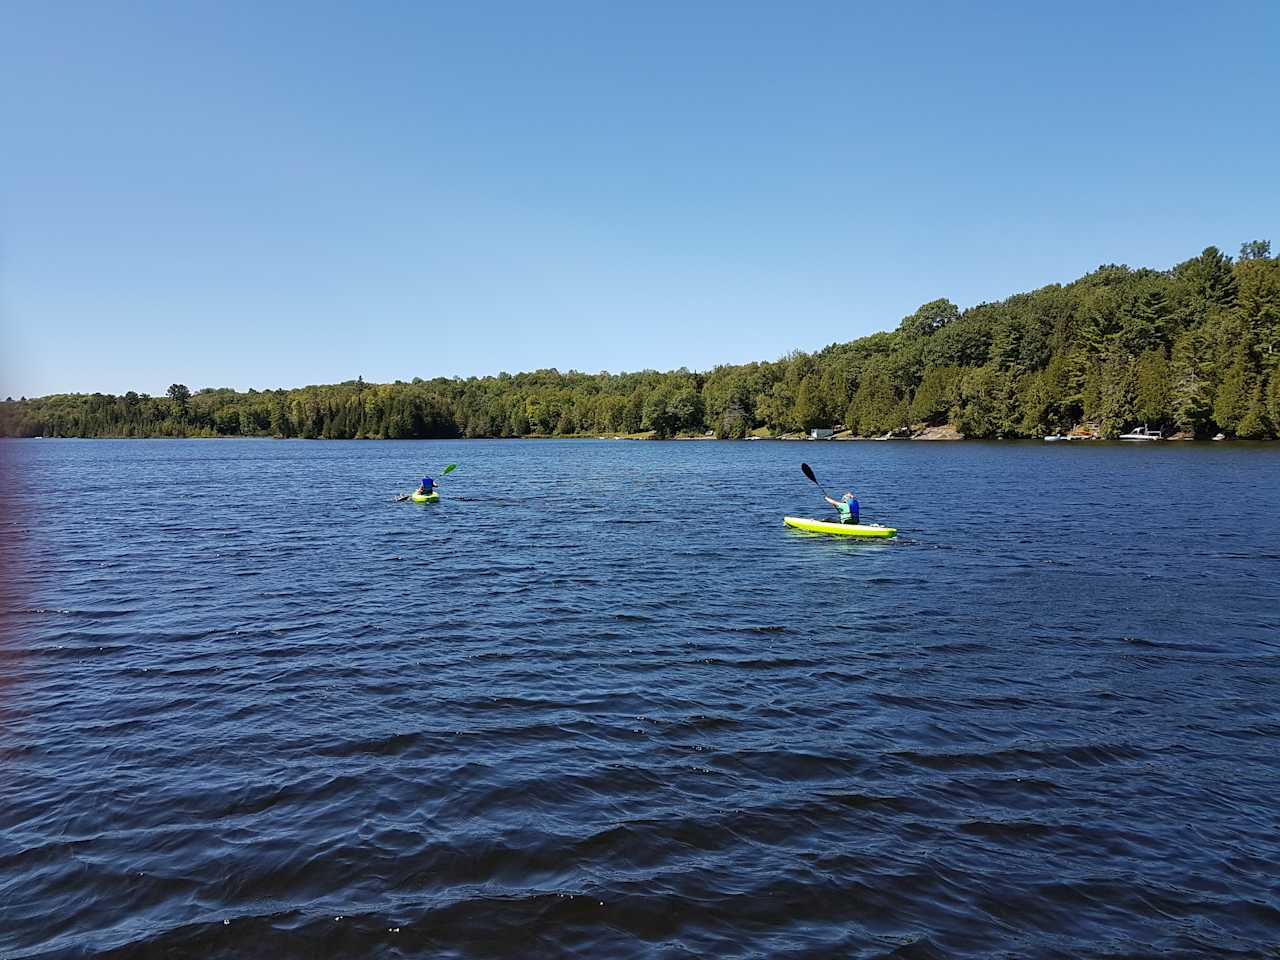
x=1192, y=350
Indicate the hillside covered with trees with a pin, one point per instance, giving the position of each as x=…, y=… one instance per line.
x=1194, y=349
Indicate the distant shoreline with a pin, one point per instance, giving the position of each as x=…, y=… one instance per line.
x=686, y=439
x=1187, y=351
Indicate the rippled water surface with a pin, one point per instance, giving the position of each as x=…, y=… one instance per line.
x=599, y=702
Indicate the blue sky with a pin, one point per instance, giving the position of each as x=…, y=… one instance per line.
x=236, y=194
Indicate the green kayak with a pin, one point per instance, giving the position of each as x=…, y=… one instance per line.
x=840, y=529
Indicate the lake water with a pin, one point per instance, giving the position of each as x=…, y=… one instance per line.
x=600, y=702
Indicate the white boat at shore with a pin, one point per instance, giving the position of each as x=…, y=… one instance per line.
x=1056, y=438
x=1141, y=435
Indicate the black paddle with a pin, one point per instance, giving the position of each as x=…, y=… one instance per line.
x=808, y=472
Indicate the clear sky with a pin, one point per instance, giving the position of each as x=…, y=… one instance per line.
x=275, y=194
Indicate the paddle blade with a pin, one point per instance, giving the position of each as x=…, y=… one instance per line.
x=449, y=469
x=808, y=472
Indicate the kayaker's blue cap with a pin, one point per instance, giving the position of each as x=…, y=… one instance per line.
x=427, y=481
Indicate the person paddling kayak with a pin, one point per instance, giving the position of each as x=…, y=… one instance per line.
x=428, y=490
x=849, y=525
x=847, y=507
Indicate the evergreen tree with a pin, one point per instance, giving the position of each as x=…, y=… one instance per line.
x=1117, y=402
x=874, y=408
x=1148, y=326
x=929, y=319
x=180, y=397
x=1271, y=398
x=1255, y=424
x=1231, y=402
x=1257, y=310
x=1208, y=280
x=1152, y=393
x=1255, y=250
x=1192, y=387
x=808, y=411
x=932, y=402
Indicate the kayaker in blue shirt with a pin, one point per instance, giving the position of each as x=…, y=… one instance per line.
x=847, y=505
x=427, y=487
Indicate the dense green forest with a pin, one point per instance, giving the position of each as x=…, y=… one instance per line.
x=1194, y=349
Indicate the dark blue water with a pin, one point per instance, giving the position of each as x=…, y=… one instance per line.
x=599, y=702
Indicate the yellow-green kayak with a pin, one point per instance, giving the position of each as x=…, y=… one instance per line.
x=840, y=529
x=426, y=497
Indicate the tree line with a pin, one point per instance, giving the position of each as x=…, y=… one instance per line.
x=1192, y=349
